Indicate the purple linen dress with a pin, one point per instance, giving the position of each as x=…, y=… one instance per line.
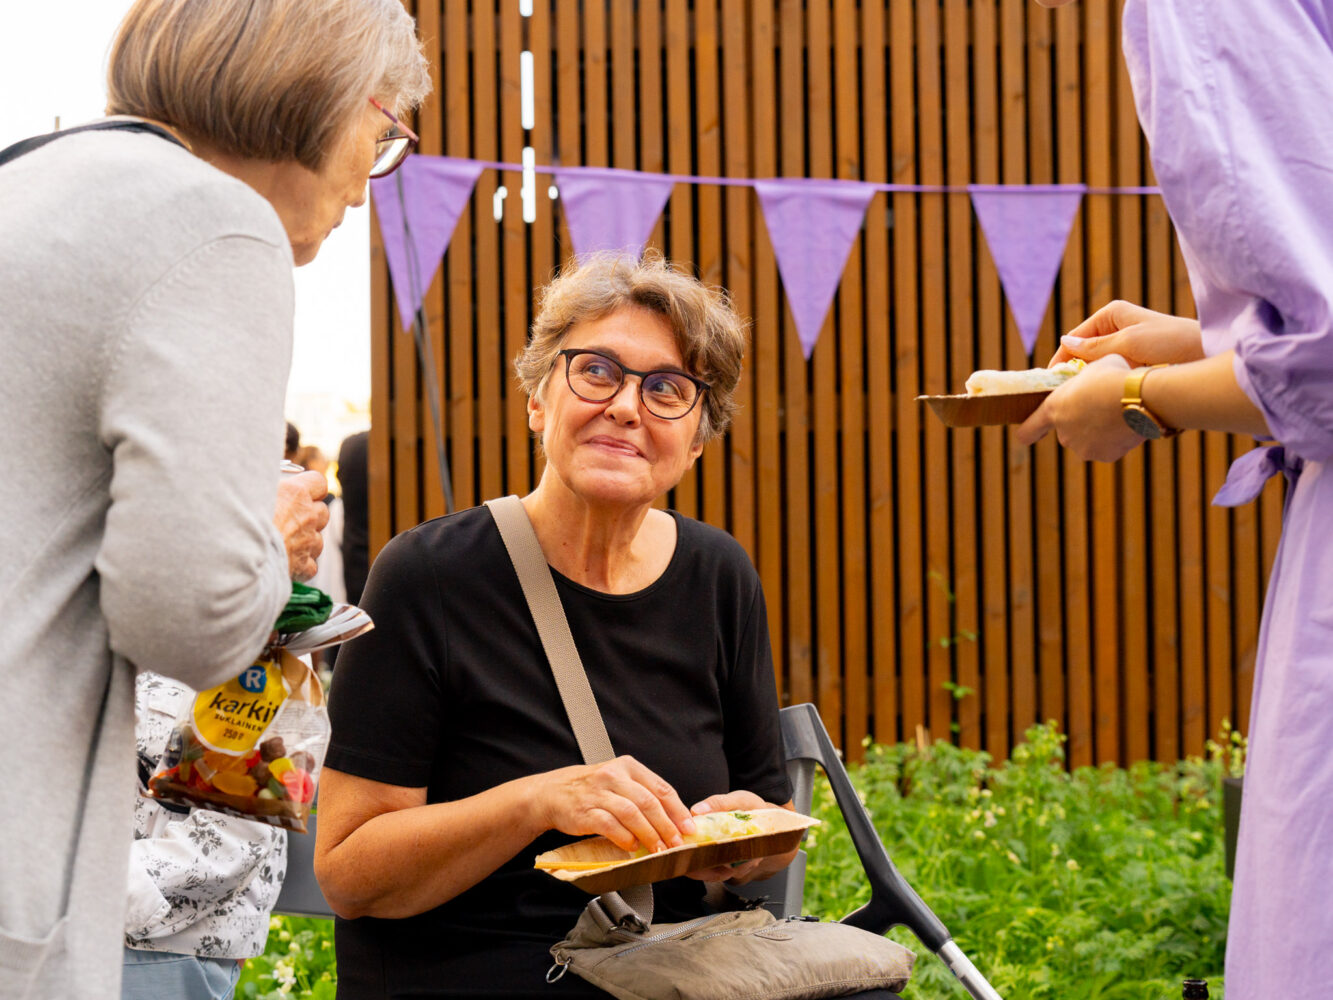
x=1236, y=98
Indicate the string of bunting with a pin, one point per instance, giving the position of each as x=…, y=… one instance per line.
x=811, y=225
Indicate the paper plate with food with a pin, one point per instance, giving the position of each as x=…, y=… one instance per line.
x=722, y=838
x=1001, y=397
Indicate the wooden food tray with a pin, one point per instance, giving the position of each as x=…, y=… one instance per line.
x=596, y=865
x=985, y=411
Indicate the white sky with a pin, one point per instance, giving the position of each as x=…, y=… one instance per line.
x=53, y=61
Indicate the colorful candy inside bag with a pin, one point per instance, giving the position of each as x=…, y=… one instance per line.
x=251, y=747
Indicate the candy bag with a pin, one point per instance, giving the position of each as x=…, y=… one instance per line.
x=251, y=747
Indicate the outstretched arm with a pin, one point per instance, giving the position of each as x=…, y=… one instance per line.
x=1085, y=411
x=382, y=851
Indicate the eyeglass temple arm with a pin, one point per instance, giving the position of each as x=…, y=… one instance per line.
x=396, y=120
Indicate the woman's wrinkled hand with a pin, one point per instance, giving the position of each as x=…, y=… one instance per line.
x=1085, y=414
x=1140, y=336
x=300, y=515
x=621, y=800
x=729, y=802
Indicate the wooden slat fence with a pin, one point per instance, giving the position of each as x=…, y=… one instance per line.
x=898, y=556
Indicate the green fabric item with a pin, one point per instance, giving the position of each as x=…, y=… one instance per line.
x=307, y=608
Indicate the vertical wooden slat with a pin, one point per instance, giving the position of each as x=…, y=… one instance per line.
x=1048, y=670
x=1022, y=626
x=879, y=403
x=486, y=124
x=796, y=485
x=680, y=160
x=1098, y=39
x=406, y=434
x=1219, y=610
x=1190, y=518
x=652, y=132
x=708, y=142
x=766, y=353
x=569, y=149
x=1074, y=508
x=934, y=372
x=512, y=466
x=740, y=457
x=458, y=389
x=379, y=471
x=824, y=405
x=625, y=106
x=962, y=313
x=429, y=120
x=569, y=91
x=1165, y=620
x=1134, y=499
x=907, y=381
x=1247, y=595
x=1193, y=673
x=594, y=117
x=851, y=456
x=544, y=248
x=992, y=326
x=542, y=253
x=1032, y=671
x=406, y=439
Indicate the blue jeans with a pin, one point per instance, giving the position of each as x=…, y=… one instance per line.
x=153, y=975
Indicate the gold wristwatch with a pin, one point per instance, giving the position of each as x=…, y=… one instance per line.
x=1141, y=420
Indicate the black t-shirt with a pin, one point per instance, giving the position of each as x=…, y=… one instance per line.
x=452, y=691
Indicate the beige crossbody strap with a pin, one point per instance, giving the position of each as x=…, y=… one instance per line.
x=585, y=718
x=539, y=588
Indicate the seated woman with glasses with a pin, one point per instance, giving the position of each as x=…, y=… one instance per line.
x=453, y=763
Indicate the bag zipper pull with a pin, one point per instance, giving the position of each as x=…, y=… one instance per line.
x=557, y=972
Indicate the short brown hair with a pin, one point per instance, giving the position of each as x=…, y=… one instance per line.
x=709, y=334
x=272, y=80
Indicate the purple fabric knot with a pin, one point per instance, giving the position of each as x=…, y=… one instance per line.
x=1249, y=473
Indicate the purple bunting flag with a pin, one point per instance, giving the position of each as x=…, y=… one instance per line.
x=418, y=207
x=1026, y=228
x=811, y=224
x=610, y=209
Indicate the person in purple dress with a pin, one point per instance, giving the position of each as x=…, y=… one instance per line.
x=1234, y=99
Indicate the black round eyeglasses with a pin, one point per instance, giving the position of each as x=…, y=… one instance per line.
x=596, y=378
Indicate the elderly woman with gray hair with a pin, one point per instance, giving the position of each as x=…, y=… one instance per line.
x=145, y=271
x=453, y=763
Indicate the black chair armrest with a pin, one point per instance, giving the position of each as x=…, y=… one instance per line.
x=892, y=900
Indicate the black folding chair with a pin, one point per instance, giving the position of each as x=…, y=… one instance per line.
x=892, y=901
x=806, y=743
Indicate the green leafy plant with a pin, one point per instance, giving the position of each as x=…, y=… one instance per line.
x=1229, y=751
x=962, y=635
x=1105, y=883
x=1101, y=884
x=959, y=691
x=298, y=962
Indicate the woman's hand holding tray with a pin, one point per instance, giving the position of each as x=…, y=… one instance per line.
x=596, y=865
